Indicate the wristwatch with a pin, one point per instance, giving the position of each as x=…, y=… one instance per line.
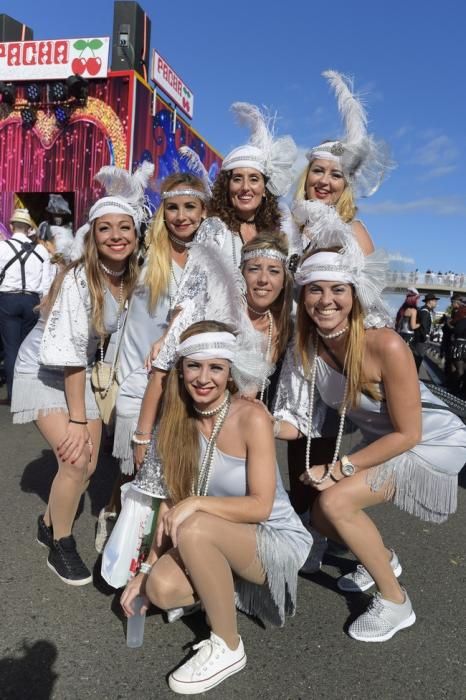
x=347, y=467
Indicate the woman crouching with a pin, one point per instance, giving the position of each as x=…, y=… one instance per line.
x=228, y=524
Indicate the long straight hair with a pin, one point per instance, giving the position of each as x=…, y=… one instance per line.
x=95, y=280
x=157, y=242
x=178, y=434
x=281, y=308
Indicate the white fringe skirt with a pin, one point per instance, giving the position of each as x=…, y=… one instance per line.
x=43, y=393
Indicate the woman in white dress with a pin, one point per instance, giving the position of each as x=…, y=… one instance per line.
x=86, y=303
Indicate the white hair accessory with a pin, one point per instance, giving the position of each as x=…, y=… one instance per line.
x=208, y=346
x=367, y=273
x=271, y=253
x=62, y=240
x=363, y=160
x=187, y=192
x=125, y=195
x=272, y=157
x=197, y=167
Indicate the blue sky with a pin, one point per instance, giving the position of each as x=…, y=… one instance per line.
x=408, y=58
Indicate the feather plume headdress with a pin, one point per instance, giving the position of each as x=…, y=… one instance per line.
x=197, y=167
x=367, y=273
x=125, y=194
x=364, y=160
x=273, y=157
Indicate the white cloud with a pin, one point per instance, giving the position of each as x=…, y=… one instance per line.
x=439, y=151
x=441, y=171
x=447, y=206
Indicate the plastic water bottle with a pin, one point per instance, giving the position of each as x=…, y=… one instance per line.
x=135, y=625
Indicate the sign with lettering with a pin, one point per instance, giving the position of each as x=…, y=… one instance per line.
x=54, y=59
x=176, y=89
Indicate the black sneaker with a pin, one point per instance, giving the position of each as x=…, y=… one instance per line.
x=65, y=561
x=44, y=533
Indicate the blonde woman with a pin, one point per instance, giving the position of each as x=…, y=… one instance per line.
x=86, y=303
x=412, y=447
x=227, y=521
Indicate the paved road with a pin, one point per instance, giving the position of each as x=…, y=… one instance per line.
x=68, y=643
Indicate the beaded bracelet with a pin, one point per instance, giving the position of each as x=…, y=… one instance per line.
x=77, y=422
x=145, y=568
x=137, y=441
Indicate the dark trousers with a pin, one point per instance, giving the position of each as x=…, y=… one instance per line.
x=17, y=319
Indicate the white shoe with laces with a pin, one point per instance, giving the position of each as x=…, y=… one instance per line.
x=382, y=619
x=360, y=579
x=212, y=664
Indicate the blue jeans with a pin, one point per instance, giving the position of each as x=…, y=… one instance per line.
x=17, y=319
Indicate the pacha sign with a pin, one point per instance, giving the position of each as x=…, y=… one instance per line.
x=172, y=85
x=51, y=59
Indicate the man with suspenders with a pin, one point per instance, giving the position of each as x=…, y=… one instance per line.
x=25, y=275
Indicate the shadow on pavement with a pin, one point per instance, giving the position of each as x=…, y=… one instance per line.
x=462, y=477
x=30, y=677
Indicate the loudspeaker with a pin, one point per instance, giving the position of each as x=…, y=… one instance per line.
x=12, y=30
x=131, y=38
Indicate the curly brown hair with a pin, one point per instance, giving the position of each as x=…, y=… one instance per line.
x=267, y=217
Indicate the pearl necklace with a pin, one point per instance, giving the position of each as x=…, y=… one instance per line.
x=202, y=486
x=213, y=411
x=112, y=273
x=329, y=336
x=104, y=390
x=258, y=313
x=329, y=471
x=267, y=352
x=178, y=241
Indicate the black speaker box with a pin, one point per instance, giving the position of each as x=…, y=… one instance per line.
x=131, y=38
x=12, y=30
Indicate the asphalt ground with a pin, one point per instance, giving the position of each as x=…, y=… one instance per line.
x=68, y=643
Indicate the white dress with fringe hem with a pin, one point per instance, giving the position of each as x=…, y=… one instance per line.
x=423, y=480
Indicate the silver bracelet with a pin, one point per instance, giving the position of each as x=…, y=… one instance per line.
x=136, y=441
x=145, y=568
x=277, y=424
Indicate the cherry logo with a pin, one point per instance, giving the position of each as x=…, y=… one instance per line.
x=91, y=64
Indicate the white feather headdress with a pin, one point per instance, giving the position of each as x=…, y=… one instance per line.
x=364, y=160
x=273, y=157
x=197, y=167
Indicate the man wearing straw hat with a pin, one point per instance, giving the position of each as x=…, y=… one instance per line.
x=25, y=275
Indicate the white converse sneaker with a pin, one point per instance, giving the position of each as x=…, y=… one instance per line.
x=382, y=620
x=213, y=662
x=360, y=579
x=313, y=562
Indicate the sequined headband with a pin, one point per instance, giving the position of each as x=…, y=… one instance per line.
x=189, y=192
x=110, y=205
x=207, y=346
x=271, y=253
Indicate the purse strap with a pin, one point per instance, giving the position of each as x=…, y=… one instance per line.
x=120, y=333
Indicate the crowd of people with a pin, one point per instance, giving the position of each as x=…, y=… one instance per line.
x=257, y=323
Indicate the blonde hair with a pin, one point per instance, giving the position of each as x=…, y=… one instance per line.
x=346, y=207
x=281, y=308
x=157, y=242
x=95, y=280
x=307, y=338
x=178, y=434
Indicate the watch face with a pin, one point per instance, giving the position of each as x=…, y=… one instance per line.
x=347, y=469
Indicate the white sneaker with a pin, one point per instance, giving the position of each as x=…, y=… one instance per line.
x=382, y=620
x=212, y=664
x=105, y=524
x=313, y=563
x=360, y=579
x=174, y=614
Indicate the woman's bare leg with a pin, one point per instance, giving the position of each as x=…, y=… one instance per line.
x=71, y=480
x=340, y=509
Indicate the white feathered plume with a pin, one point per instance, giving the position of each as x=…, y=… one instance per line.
x=350, y=107
x=197, y=167
x=63, y=240
x=322, y=225
x=77, y=247
x=130, y=187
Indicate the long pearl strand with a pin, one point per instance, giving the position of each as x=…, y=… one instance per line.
x=268, y=352
x=120, y=314
x=331, y=468
x=213, y=411
x=205, y=470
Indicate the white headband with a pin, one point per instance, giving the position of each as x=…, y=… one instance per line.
x=247, y=156
x=333, y=150
x=188, y=192
x=326, y=267
x=208, y=346
x=111, y=205
x=271, y=253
